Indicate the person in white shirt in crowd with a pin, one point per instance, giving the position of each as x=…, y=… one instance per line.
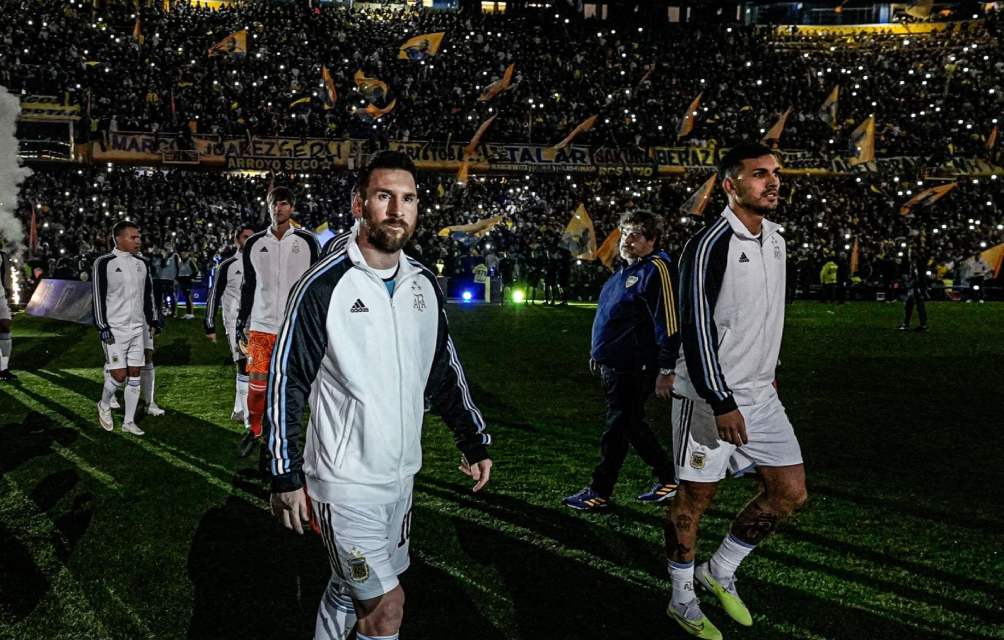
x=6, y=298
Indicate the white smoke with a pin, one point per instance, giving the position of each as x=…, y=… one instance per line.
x=12, y=174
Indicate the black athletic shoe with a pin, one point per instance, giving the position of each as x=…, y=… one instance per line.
x=7, y=376
x=247, y=443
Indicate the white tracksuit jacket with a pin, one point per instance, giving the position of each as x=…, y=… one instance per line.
x=365, y=361
x=731, y=298
x=271, y=268
x=226, y=293
x=123, y=294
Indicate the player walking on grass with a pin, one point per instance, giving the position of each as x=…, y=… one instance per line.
x=365, y=338
x=6, y=295
x=226, y=295
x=634, y=348
x=274, y=259
x=732, y=292
x=123, y=312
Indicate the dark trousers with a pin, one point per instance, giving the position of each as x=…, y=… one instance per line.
x=163, y=293
x=185, y=285
x=914, y=296
x=626, y=393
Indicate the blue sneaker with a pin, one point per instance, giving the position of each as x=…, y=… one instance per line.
x=587, y=500
x=659, y=492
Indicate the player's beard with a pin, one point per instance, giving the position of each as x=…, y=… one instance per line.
x=745, y=199
x=383, y=235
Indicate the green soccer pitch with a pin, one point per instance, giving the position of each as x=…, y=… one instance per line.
x=108, y=535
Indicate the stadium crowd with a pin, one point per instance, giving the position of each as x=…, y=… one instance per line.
x=933, y=94
x=194, y=215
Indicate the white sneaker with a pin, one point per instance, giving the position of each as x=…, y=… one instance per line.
x=154, y=410
x=105, y=418
x=130, y=427
x=114, y=404
x=237, y=416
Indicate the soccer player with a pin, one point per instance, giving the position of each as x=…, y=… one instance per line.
x=365, y=337
x=634, y=349
x=226, y=294
x=123, y=311
x=6, y=301
x=273, y=259
x=732, y=292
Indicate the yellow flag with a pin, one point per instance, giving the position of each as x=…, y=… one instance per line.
x=585, y=125
x=370, y=86
x=579, y=236
x=774, y=133
x=610, y=249
x=828, y=110
x=137, y=31
x=165, y=5
x=234, y=44
x=498, y=86
x=993, y=258
x=695, y=204
x=376, y=112
x=927, y=197
x=462, y=172
x=329, y=86
x=855, y=257
x=298, y=101
x=689, y=117
x=421, y=47
x=477, y=228
x=863, y=140
x=992, y=139
x=472, y=147
x=920, y=9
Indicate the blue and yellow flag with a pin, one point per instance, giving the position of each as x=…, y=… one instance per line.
x=695, y=204
x=927, y=197
x=468, y=234
x=498, y=86
x=421, y=47
x=579, y=236
x=370, y=87
x=235, y=44
x=828, y=110
x=329, y=87
x=687, y=125
x=863, y=142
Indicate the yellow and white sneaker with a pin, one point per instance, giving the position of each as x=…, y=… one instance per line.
x=726, y=594
x=692, y=619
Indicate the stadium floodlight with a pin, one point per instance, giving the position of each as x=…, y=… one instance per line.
x=466, y=296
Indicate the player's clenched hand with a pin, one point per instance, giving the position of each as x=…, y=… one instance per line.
x=211, y=336
x=732, y=427
x=479, y=471
x=291, y=509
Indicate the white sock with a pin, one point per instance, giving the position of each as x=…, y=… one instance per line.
x=337, y=614
x=148, y=377
x=6, y=344
x=730, y=553
x=131, y=398
x=108, y=390
x=361, y=636
x=682, y=576
x=241, y=401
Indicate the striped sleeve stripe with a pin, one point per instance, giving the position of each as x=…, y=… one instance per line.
x=465, y=393
x=99, y=304
x=214, y=293
x=668, y=302
x=713, y=377
x=276, y=408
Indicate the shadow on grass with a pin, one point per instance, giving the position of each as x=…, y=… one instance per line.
x=36, y=352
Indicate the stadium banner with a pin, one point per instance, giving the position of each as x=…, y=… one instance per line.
x=68, y=300
x=49, y=112
x=318, y=154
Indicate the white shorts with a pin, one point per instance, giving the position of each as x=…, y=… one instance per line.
x=235, y=350
x=701, y=457
x=4, y=309
x=126, y=352
x=147, y=339
x=367, y=544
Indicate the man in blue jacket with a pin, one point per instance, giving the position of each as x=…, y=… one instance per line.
x=634, y=348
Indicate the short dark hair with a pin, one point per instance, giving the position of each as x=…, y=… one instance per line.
x=121, y=226
x=650, y=223
x=732, y=161
x=384, y=160
x=241, y=228
x=280, y=193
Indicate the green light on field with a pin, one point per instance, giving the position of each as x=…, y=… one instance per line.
x=518, y=296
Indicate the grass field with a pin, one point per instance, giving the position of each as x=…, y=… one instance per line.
x=106, y=535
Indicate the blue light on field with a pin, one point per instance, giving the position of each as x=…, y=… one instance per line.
x=466, y=295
